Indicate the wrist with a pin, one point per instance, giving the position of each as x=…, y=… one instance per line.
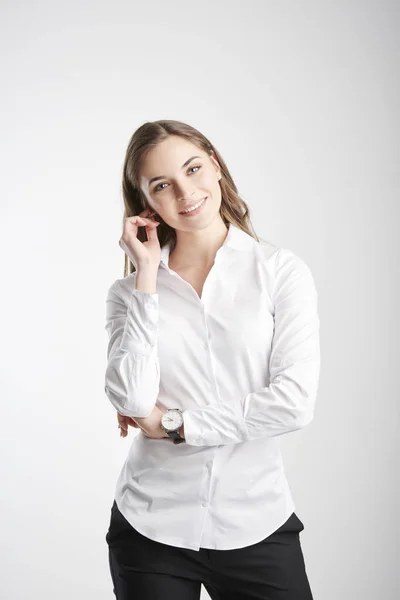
x=146, y=280
x=181, y=429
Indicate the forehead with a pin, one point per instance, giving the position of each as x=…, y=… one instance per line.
x=167, y=156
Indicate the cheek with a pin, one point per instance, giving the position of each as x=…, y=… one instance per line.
x=212, y=185
x=149, y=203
x=210, y=181
x=157, y=205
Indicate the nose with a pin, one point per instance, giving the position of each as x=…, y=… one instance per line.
x=186, y=196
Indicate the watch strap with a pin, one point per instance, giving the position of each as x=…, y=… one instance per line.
x=176, y=437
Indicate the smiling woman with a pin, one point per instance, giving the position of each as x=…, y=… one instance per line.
x=214, y=353
x=170, y=167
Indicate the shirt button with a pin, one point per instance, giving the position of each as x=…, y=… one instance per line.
x=204, y=503
x=209, y=464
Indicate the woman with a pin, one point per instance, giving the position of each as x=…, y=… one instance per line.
x=213, y=354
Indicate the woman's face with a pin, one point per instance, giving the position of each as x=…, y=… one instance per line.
x=171, y=181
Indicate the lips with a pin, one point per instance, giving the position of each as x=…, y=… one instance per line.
x=192, y=204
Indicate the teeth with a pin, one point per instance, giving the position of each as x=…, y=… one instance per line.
x=193, y=207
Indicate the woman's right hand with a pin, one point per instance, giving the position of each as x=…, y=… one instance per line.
x=142, y=254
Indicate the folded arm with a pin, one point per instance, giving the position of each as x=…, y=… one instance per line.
x=287, y=403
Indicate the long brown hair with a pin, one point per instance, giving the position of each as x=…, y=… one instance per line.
x=233, y=209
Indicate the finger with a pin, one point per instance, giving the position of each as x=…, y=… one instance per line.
x=151, y=234
x=122, y=429
x=131, y=225
x=140, y=220
x=147, y=212
x=122, y=422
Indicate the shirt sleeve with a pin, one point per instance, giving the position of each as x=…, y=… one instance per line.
x=287, y=403
x=132, y=375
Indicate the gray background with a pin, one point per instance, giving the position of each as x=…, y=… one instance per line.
x=301, y=99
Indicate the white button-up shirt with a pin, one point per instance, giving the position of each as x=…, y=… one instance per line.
x=242, y=362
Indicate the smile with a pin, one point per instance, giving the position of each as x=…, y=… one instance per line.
x=194, y=209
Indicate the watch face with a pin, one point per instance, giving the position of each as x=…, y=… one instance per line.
x=172, y=420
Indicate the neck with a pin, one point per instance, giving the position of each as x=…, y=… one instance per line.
x=198, y=248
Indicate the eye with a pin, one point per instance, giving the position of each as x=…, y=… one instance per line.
x=157, y=186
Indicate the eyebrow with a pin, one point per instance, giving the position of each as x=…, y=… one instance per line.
x=182, y=167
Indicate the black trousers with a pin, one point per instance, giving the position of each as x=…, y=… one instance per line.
x=143, y=569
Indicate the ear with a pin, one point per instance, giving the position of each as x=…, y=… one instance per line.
x=216, y=163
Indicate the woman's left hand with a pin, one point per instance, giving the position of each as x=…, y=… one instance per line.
x=123, y=423
x=150, y=426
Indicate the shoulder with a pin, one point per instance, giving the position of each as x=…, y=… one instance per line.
x=287, y=261
x=293, y=278
x=264, y=250
x=282, y=265
x=277, y=258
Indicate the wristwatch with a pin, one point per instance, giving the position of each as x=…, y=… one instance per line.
x=171, y=422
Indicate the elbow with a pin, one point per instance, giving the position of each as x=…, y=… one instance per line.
x=132, y=383
x=297, y=412
x=298, y=398
x=128, y=405
x=127, y=399
x=294, y=422
x=302, y=420
x=303, y=412
x=117, y=395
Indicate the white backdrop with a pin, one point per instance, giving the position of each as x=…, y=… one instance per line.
x=301, y=99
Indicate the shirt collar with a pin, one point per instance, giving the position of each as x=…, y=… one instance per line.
x=236, y=238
